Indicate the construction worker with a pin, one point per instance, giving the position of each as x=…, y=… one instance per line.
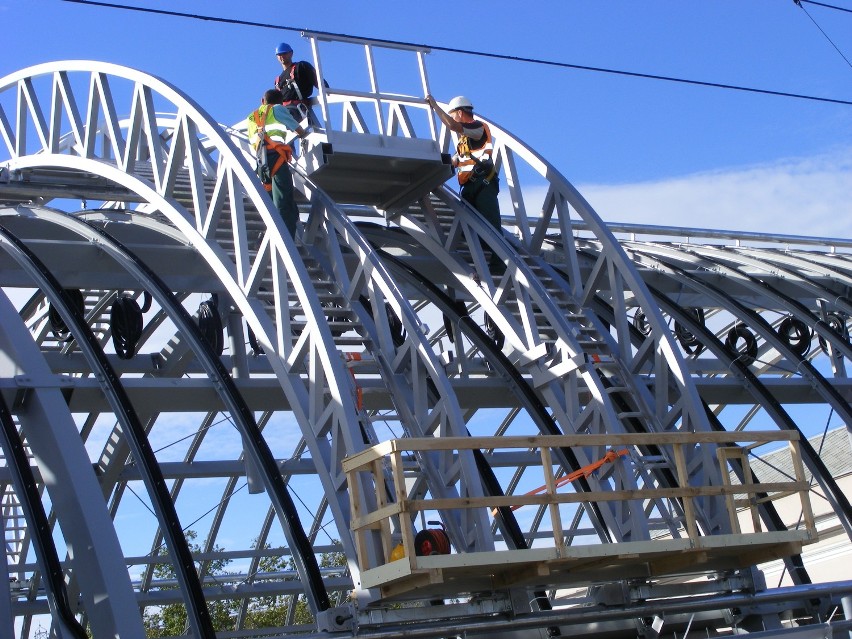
x=296, y=82
x=474, y=166
x=268, y=128
x=477, y=177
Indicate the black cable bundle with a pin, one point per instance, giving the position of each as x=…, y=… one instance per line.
x=796, y=334
x=252, y=340
x=125, y=319
x=687, y=340
x=748, y=352
x=396, y=328
x=210, y=324
x=57, y=325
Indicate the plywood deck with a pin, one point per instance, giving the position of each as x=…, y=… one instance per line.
x=577, y=565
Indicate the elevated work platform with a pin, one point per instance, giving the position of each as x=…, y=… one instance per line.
x=374, y=148
x=385, y=171
x=556, y=564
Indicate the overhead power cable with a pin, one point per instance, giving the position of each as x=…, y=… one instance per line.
x=498, y=56
x=799, y=3
x=822, y=4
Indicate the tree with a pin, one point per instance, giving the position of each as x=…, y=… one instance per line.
x=171, y=619
x=274, y=611
x=260, y=612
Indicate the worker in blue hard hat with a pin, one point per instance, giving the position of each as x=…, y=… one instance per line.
x=296, y=82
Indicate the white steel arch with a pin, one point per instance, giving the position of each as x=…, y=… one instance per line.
x=324, y=338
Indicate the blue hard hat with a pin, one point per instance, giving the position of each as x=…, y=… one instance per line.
x=283, y=48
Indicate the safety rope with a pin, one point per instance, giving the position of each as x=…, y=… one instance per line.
x=610, y=456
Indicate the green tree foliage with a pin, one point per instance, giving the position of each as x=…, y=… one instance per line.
x=260, y=612
x=171, y=620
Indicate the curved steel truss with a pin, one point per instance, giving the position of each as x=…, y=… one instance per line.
x=202, y=413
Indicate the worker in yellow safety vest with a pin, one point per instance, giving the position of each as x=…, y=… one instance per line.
x=269, y=131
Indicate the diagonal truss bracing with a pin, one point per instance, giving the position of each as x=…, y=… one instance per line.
x=321, y=347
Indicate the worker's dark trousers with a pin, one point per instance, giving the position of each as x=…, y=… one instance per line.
x=483, y=197
x=282, y=194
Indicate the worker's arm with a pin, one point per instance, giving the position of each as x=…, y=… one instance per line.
x=451, y=124
x=282, y=114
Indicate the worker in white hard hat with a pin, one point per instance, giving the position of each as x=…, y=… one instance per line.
x=474, y=167
x=477, y=175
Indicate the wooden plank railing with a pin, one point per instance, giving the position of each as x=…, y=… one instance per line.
x=397, y=512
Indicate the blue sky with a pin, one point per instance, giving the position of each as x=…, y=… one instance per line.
x=639, y=150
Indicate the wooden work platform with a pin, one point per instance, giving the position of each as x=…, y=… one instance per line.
x=381, y=516
x=578, y=565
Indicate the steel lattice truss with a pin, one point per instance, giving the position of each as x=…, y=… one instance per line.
x=159, y=325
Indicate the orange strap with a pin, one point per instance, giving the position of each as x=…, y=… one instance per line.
x=285, y=153
x=359, y=392
x=585, y=471
x=260, y=124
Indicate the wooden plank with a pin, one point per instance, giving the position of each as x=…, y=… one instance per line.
x=520, y=575
x=683, y=480
x=371, y=520
x=807, y=512
x=406, y=527
x=386, y=573
x=355, y=510
x=383, y=505
x=559, y=441
x=363, y=458
x=469, y=572
x=549, y=482
x=415, y=582
x=594, y=496
x=722, y=455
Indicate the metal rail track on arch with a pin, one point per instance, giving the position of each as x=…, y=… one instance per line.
x=254, y=434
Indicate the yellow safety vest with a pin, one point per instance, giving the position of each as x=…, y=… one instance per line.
x=272, y=139
x=468, y=157
x=264, y=119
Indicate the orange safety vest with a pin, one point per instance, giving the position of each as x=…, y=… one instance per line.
x=468, y=156
x=285, y=153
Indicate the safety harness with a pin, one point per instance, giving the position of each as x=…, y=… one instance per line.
x=482, y=171
x=266, y=144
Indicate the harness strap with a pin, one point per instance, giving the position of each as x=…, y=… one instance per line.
x=285, y=153
x=291, y=82
x=610, y=457
x=479, y=163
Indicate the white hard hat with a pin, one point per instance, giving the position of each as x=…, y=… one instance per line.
x=460, y=102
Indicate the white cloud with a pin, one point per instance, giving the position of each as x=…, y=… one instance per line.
x=800, y=196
